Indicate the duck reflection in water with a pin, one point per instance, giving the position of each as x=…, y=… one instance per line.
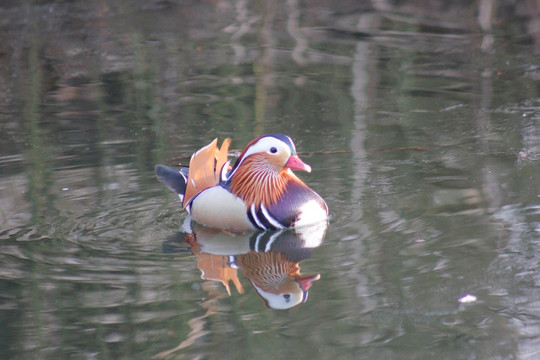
x=270, y=260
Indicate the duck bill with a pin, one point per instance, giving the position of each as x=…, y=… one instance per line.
x=305, y=282
x=295, y=163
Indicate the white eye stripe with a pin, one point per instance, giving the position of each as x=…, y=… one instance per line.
x=265, y=144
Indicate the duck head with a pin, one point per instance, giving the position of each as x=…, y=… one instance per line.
x=262, y=170
x=277, y=152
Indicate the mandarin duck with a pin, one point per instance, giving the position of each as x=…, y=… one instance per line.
x=259, y=192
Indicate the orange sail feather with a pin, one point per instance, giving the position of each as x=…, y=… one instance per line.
x=204, y=168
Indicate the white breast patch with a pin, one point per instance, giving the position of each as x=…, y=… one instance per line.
x=216, y=207
x=310, y=213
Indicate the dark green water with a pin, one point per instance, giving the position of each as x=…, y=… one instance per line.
x=421, y=123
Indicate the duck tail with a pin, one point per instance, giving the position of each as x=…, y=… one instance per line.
x=174, y=179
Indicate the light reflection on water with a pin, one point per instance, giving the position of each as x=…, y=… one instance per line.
x=422, y=132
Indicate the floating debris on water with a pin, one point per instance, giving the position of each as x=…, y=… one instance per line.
x=467, y=299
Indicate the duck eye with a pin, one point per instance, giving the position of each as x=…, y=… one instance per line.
x=273, y=150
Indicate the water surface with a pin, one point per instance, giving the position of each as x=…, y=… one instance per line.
x=421, y=125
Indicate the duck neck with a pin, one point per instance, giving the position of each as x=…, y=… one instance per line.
x=256, y=182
